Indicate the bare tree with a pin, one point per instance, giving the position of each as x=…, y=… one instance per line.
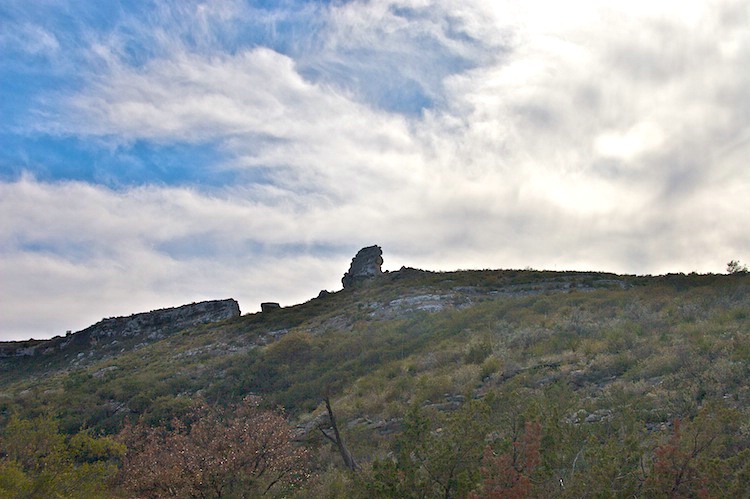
x=336, y=439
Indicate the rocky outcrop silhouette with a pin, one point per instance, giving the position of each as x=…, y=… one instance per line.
x=269, y=306
x=365, y=266
x=146, y=326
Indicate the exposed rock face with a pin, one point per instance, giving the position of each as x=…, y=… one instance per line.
x=151, y=325
x=19, y=348
x=268, y=306
x=166, y=318
x=365, y=265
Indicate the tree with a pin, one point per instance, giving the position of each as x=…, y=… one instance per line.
x=735, y=267
x=674, y=470
x=336, y=439
x=698, y=458
x=38, y=461
x=241, y=450
x=508, y=475
x=436, y=457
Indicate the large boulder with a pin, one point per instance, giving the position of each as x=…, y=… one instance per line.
x=365, y=266
x=268, y=306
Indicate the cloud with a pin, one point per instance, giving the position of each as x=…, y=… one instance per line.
x=30, y=38
x=576, y=136
x=86, y=251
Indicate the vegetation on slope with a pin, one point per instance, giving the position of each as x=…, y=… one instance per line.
x=543, y=383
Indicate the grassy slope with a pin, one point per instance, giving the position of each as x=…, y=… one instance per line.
x=599, y=342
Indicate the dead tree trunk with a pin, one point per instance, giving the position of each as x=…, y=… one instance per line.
x=336, y=438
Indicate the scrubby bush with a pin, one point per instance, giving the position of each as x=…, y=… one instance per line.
x=36, y=460
x=241, y=450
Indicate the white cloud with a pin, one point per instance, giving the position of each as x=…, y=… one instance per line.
x=30, y=38
x=558, y=136
x=72, y=252
x=641, y=138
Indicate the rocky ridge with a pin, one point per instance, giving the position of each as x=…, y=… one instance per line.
x=146, y=326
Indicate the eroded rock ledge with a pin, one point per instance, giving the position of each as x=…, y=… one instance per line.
x=152, y=325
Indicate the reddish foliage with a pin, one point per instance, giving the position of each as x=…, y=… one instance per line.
x=212, y=453
x=674, y=472
x=508, y=475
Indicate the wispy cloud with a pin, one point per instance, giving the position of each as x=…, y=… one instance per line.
x=29, y=38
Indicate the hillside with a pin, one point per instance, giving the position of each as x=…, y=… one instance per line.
x=608, y=366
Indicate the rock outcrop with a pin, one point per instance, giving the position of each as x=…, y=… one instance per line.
x=165, y=319
x=147, y=325
x=365, y=266
x=269, y=306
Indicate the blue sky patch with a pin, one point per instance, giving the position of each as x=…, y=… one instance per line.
x=93, y=160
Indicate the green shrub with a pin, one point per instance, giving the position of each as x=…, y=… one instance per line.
x=477, y=352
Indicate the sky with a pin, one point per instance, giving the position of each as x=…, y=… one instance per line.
x=156, y=153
